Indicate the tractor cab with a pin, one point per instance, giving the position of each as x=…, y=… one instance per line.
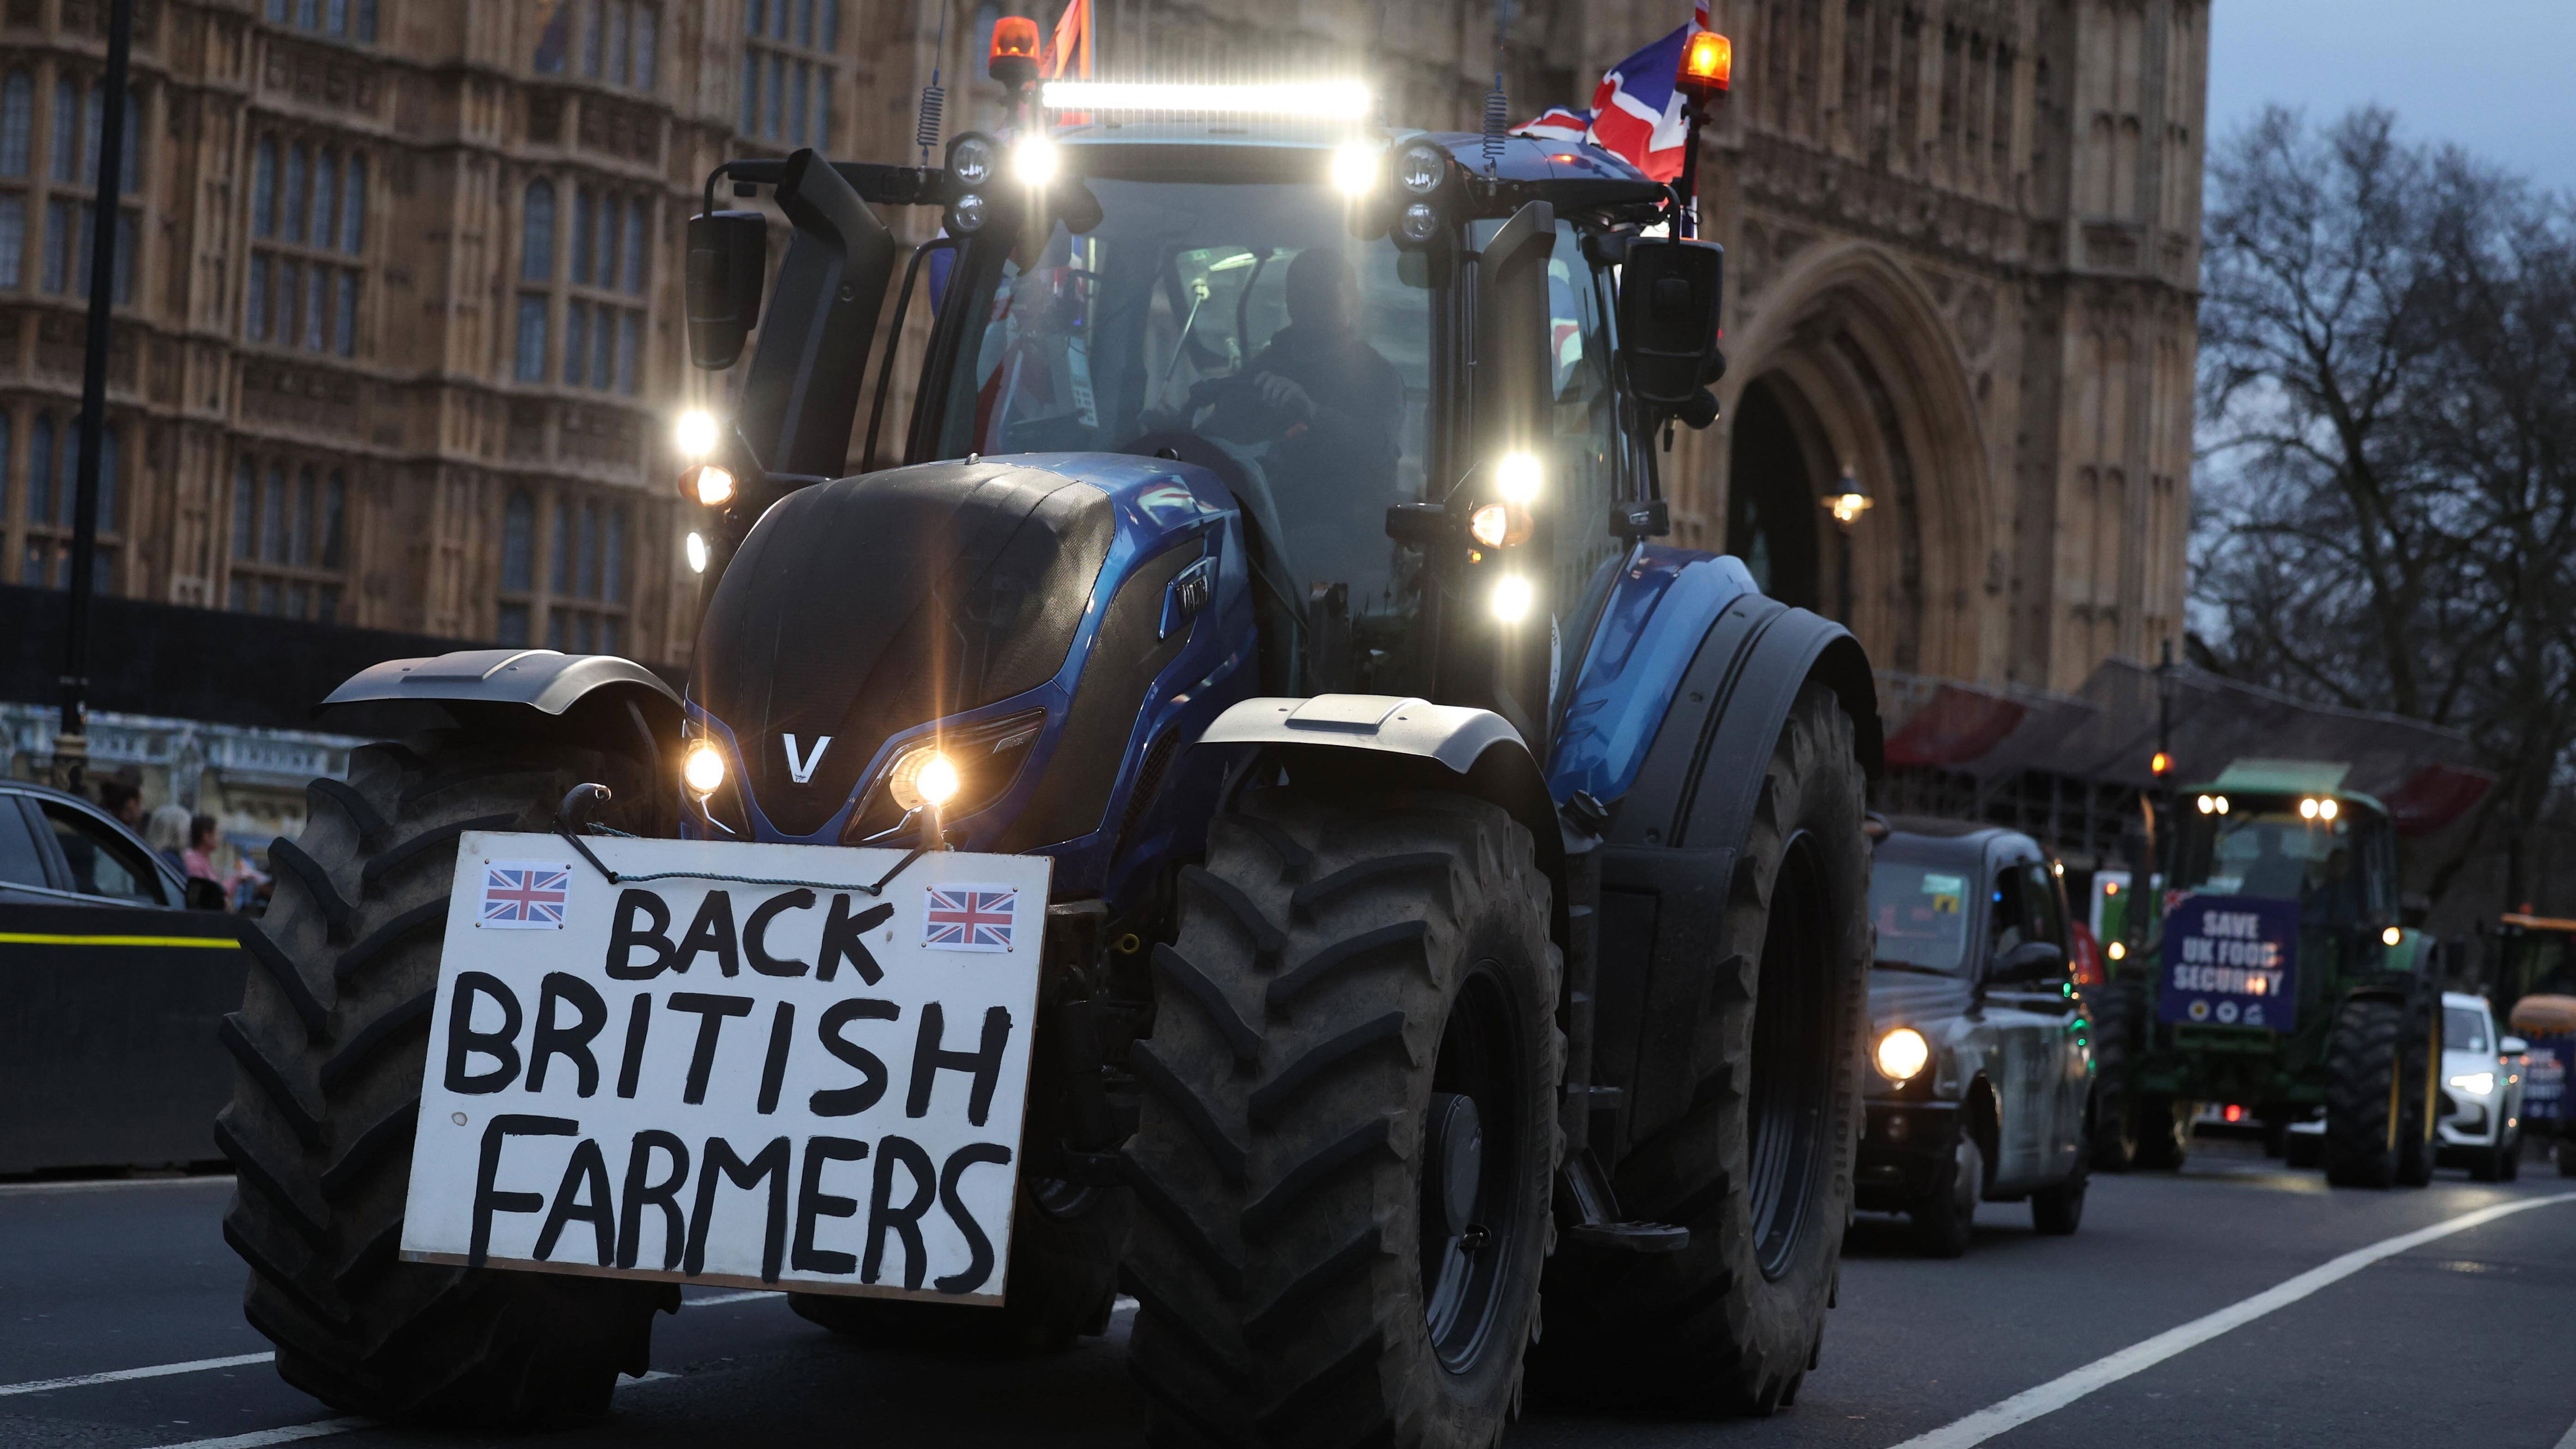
x=2277, y=830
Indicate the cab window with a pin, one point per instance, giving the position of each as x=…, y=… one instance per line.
x=2039, y=890
x=1586, y=416
x=102, y=862
x=2008, y=914
x=21, y=864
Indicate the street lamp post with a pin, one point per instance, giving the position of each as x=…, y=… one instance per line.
x=71, y=737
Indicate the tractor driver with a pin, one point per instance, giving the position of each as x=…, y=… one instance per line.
x=1328, y=398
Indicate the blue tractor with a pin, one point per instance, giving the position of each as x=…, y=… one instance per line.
x=1459, y=898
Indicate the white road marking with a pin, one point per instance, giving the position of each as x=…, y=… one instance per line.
x=117, y=1376
x=2058, y=1392
x=110, y=1184
x=324, y=1428
x=718, y=1299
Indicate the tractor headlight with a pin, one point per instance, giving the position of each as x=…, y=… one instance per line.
x=966, y=214
x=710, y=485
x=923, y=777
x=1355, y=168
x=703, y=768
x=1516, y=478
x=2476, y=1084
x=1512, y=599
x=972, y=159
x=696, y=549
x=1490, y=525
x=1419, y=223
x=2391, y=936
x=695, y=433
x=1034, y=161
x=1420, y=168
x=1902, y=1054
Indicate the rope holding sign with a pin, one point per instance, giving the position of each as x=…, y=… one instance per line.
x=573, y=817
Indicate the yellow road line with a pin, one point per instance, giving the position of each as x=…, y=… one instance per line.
x=24, y=938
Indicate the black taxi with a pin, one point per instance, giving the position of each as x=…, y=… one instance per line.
x=1981, y=1072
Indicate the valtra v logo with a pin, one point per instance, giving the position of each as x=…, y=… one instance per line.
x=802, y=771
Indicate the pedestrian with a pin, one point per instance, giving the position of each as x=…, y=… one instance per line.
x=168, y=836
x=197, y=862
x=124, y=800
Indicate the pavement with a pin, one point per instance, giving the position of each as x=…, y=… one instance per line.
x=2458, y=1340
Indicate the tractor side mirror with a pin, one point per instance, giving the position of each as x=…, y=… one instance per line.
x=728, y=252
x=2029, y=962
x=1669, y=293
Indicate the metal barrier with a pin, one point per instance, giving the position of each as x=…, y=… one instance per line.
x=108, y=1053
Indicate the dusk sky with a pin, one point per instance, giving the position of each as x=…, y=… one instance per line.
x=2491, y=75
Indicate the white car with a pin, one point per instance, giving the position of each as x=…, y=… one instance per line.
x=2481, y=1122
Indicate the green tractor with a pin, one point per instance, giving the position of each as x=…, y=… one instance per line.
x=2272, y=974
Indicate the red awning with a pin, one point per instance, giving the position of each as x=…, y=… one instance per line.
x=1953, y=727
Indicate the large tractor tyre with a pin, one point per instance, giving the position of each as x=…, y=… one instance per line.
x=2418, y=1145
x=2113, y=1007
x=1349, y=1131
x=2162, y=1128
x=2365, y=1093
x=1060, y=1286
x=330, y=1041
x=1759, y=1165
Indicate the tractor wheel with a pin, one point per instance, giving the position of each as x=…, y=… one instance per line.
x=1758, y=1164
x=330, y=1039
x=2113, y=1007
x=2163, y=1128
x=1061, y=1284
x=2417, y=1143
x=2365, y=1093
x=1349, y=1134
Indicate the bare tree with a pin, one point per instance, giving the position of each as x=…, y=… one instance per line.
x=2389, y=401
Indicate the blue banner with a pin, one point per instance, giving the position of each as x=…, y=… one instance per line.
x=2227, y=962
x=2544, y=1088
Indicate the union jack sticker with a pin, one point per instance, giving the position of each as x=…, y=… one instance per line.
x=969, y=917
x=524, y=895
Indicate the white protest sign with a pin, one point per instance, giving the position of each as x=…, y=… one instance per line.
x=701, y=1080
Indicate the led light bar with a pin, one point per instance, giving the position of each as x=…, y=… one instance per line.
x=1333, y=100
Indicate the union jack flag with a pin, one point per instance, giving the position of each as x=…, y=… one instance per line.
x=521, y=895
x=969, y=917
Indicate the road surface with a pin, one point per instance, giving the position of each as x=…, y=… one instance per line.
x=2459, y=1340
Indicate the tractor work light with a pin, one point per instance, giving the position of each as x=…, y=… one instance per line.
x=1418, y=223
x=973, y=158
x=2326, y=809
x=707, y=485
x=1512, y=599
x=2117, y=950
x=1490, y=525
x=696, y=549
x=1516, y=477
x=923, y=777
x=2476, y=1084
x=703, y=769
x=2390, y=936
x=1902, y=1054
x=1355, y=168
x=2159, y=763
x=966, y=214
x=1013, y=59
x=695, y=433
x=2220, y=801
x=1034, y=160
x=2207, y=805
x=1345, y=100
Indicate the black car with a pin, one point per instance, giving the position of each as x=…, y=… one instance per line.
x=59, y=849
x=1982, y=1088
x=112, y=993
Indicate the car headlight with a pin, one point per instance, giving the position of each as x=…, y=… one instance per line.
x=1902, y=1054
x=703, y=768
x=2476, y=1084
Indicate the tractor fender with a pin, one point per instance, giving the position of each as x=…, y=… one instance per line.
x=1702, y=775
x=597, y=700
x=1404, y=741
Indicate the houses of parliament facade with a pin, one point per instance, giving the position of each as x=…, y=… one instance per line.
x=399, y=331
